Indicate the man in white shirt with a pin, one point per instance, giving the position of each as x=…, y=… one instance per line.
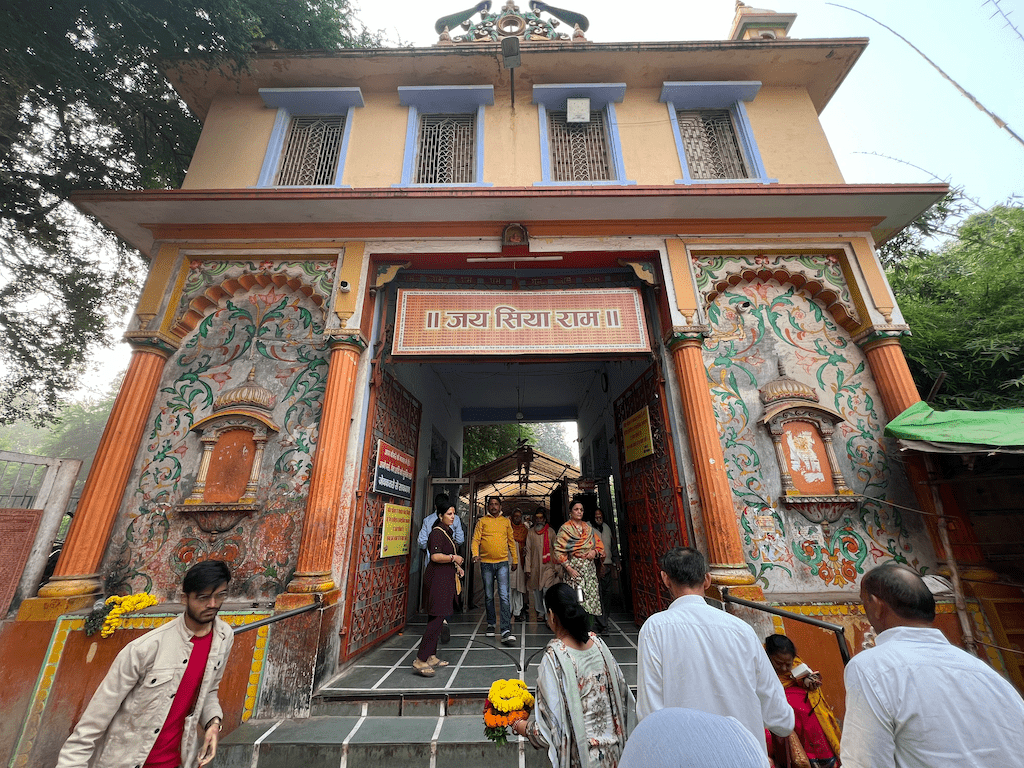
x=698, y=657
x=915, y=700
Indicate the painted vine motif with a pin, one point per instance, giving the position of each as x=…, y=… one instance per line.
x=753, y=325
x=279, y=334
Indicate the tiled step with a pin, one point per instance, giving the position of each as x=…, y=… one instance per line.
x=372, y=742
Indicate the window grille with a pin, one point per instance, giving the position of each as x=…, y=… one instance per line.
x=709, y=141
x=446, y=151
x=311, y=152
x=579, y=151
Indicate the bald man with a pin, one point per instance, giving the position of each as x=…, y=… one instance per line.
x=915, y=700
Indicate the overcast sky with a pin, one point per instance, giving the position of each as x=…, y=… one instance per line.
x=892, y=103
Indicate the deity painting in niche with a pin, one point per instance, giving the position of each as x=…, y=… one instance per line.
x=808, y=462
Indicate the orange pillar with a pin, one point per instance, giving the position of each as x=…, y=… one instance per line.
x=75, y=580
x=316, y=549
x=725, y=548
x=898, y=392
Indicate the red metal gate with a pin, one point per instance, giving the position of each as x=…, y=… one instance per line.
x=378, y=588
x=655, y=519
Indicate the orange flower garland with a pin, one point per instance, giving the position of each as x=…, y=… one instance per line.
x=507, y=701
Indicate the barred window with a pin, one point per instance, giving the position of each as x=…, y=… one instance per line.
x=579, y=151
x=710, y=143
x=311, y=151
x=445, y=154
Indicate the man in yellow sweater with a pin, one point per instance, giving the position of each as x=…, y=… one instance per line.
x=493, y=546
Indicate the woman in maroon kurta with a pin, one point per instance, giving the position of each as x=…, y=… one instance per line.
x=444, y=568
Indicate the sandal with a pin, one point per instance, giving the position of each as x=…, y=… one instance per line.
x=436, y=662
x=422, y=668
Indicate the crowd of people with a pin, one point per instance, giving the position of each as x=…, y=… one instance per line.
x=709, y=693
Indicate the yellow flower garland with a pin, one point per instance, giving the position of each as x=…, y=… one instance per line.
x=510, y=696
x=123, y=604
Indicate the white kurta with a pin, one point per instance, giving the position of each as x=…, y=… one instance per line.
x=698, y=657
x=916, y=701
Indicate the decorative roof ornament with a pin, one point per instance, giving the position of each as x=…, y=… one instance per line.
x=510, y=22
x=247, y=395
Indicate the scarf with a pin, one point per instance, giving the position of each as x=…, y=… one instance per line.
x=576, y=540
x=545, y=556
x=826, y=718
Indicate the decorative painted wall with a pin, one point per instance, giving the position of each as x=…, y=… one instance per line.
x=244, y=316
x=754, y=324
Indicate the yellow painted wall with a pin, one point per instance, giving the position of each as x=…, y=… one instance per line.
x=792, y=144
x=648, y=147
x=233, y=143
x=512, y=152
x=377, y=142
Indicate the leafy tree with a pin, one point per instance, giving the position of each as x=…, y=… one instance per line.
x=963, y=304
x=84, y=105
x=549, y=438
x=483, y=443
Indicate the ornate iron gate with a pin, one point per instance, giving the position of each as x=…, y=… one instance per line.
x=378, y=588
x=655, y=520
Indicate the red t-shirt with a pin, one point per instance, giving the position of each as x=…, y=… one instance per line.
x=166, y=752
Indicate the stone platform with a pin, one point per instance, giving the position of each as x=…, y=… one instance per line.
x=377, y=712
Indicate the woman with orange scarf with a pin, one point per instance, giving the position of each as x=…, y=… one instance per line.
x=578, y=549
x=816, y=729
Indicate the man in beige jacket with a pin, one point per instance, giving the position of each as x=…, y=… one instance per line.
x=161, y=688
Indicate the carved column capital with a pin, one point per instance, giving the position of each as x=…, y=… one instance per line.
x=686, y=335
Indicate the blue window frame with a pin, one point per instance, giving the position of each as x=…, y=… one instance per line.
x=551, y=103
x=427, y=130
x=715, y=143
x=311, y=131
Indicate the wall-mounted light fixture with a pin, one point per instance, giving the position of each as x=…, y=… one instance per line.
x=511, y=59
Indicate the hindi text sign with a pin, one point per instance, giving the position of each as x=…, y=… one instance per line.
x=600, y=320
x=394, y=538
x=393, y=475
x=636, y=435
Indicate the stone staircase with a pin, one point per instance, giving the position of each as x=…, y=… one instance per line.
x=421, y=730
x=376, y=712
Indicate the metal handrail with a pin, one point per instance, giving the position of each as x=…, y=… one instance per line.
x=317, y=603
x=840, y=632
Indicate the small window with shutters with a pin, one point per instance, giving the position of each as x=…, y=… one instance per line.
x=309, y=140
x=311, y=151
x=579, y=151
x=446, y=149
x=710, y=143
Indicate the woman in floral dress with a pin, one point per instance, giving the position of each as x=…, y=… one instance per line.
x=578, y=549
x=584, y=710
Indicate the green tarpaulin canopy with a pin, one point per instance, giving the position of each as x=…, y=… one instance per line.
x=922, y=428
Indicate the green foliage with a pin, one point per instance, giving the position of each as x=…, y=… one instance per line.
x=84, y=105
x=963, y=304
x=483, y=443
x=549, y=438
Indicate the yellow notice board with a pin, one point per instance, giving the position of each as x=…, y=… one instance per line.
x=394, y=539
x=636, y=435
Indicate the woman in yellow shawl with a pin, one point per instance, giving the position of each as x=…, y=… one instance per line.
x=578, y=549
x=816, y=726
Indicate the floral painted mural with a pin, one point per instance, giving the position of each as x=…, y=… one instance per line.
x=267, y=318
x=755, y=324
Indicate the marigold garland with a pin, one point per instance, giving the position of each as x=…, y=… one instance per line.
x=113, y=610
x=507, y=701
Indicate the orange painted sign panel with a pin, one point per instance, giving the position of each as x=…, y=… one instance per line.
x=637, y=441
x=808, y=462
x=604, y=320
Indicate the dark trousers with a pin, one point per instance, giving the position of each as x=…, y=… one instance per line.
x=605, y=585
x=428, y=645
